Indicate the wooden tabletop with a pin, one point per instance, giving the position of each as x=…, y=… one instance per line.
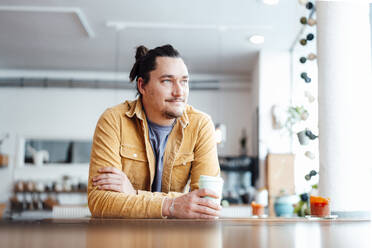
x=111, y=233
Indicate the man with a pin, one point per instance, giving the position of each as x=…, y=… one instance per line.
x=145, y=151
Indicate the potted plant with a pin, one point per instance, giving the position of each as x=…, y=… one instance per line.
x=296, y=114
x=302, y=207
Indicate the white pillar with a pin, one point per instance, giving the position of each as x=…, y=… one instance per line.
x=345, y=107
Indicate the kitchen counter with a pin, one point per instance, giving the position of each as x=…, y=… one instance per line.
x=243, y=232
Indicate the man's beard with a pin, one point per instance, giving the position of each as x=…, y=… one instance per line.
x=172, y=114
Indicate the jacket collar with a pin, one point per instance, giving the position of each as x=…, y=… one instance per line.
x=184, y=119
x=136, y=108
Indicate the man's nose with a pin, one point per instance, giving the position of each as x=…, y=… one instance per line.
x=177, y=89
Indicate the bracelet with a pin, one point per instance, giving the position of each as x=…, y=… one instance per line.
x=171, y=209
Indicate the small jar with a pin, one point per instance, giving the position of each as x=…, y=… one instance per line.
x=283, y=205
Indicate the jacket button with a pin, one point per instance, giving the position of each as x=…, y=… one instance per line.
x=135, y=155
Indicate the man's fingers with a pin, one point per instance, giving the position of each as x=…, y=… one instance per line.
x=205, y=216
x=107, y=181
x=208, y=203
x=206, y=210
x=110, y=170
x=206, y=192
x=110, y=187
x=106, y=176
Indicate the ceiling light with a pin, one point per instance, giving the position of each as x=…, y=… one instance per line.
x=270, y=2
x=257, y=39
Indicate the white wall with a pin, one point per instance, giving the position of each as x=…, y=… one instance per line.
x=274, y=89
x=230, y=107
x=73, y=113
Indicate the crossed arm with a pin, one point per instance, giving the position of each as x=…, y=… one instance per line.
x=190, y=205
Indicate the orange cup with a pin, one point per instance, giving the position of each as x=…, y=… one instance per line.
x=319, y=206
x=257, y=209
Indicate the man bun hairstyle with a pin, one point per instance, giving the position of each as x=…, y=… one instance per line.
x=146, y=61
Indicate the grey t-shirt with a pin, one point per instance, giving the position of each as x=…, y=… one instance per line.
x=158, y=138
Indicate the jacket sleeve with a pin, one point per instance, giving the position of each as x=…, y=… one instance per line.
x=205, y=153
x=105, y=152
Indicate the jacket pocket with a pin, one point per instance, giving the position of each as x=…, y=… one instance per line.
x=183, y=159
x=135, y=166
x=133, y=153
x=181, y=171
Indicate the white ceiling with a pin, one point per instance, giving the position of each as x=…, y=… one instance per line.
x=212, y=35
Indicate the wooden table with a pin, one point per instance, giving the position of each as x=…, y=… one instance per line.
x=112, y=233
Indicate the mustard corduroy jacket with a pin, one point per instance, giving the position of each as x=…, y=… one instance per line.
x=121, y=140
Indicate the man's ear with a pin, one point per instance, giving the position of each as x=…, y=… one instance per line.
x=141, y=85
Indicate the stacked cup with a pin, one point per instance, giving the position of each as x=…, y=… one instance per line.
x=212, y=183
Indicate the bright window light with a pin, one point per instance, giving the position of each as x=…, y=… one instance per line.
x=270, y=2
x=257, y=39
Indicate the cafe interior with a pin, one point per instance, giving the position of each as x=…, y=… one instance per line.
x=278, y=78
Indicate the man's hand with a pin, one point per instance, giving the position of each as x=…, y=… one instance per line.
x=113, y=179
x=192, y=205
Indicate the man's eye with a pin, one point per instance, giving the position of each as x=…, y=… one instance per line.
x=184, y=81
x=166, y=81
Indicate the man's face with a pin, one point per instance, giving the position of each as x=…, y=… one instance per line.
x=167, y=91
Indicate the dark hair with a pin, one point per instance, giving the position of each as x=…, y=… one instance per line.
x=146, y=61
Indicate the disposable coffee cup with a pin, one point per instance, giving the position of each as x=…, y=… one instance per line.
x=212, y=183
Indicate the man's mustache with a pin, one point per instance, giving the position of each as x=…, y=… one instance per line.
x=175, y=100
